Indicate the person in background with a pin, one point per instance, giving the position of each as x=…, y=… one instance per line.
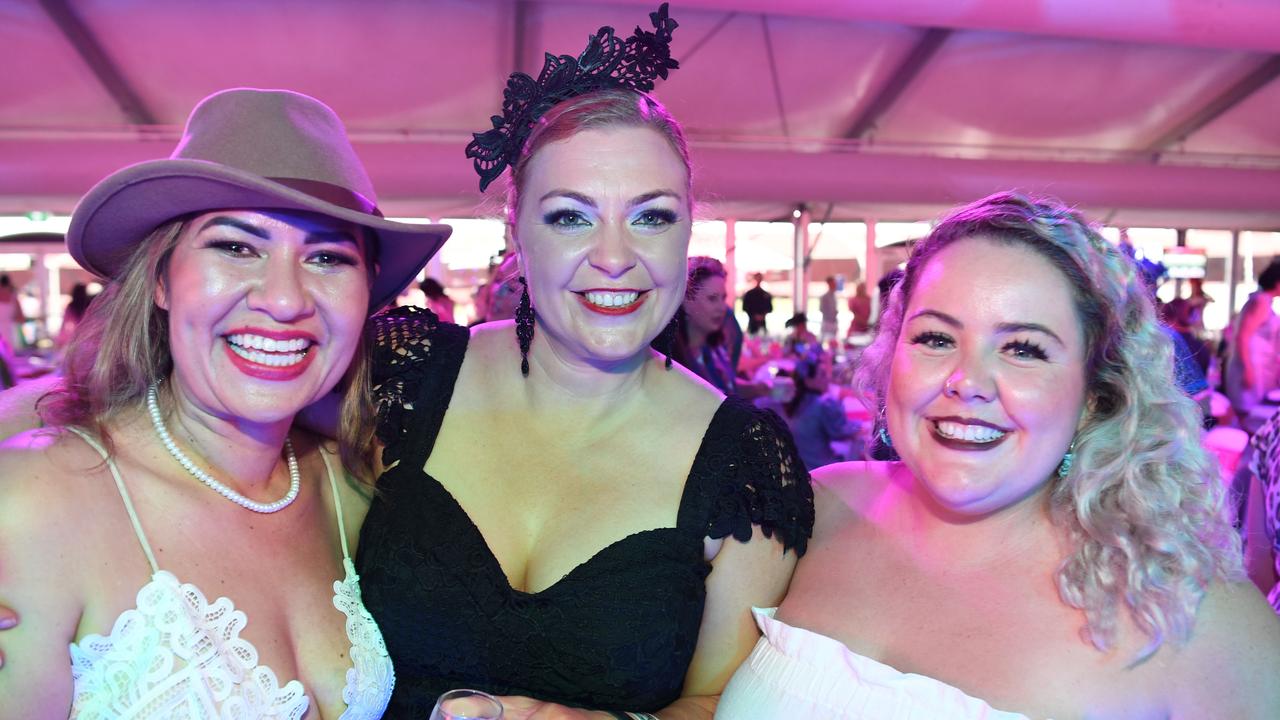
x=827, y=305
x=1053, y=542
x=233, y=299
x=1253, y=368
x=757, y=303
x=73, y=313
x=700, y=342
x=860, y=306
x=800, y=341
x=11, y=317
x=1196, y=302
x=438, y=301
x=817, y=419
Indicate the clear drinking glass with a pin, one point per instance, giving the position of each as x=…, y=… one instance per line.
x=467, y=705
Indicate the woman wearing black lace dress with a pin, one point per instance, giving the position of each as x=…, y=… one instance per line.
x=554, y=521
x=554, y=516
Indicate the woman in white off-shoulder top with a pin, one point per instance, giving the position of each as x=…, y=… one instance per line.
x=1052, y=543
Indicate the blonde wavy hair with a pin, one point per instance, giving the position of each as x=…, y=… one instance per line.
x=1142, y=508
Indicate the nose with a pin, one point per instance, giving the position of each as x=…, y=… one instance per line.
x=281, y=292
x=612, y=253
x=970, y=380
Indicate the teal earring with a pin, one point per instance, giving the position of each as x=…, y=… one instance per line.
x=1064, y=467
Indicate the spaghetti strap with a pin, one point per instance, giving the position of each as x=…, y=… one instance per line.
x=337, y=505
x=124, y=495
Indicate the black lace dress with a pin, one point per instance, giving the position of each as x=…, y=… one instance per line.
x=617, y=632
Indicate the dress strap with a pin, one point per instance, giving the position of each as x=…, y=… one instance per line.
x=337, y=505
x=124, y=495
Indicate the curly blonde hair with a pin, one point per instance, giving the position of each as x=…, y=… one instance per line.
x=1142, y=508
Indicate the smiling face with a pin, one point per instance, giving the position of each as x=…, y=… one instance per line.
x=705, y=310
x=265, y=310
x=603, y=228
x=987, y=383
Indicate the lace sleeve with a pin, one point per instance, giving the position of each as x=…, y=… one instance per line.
x=1266, y=450
x=401, y=349
x=764, y=483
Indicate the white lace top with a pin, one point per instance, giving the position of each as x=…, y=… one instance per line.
x=795, y=673
x=178, y=656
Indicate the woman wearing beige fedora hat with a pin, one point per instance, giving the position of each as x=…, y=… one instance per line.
x=170, y=528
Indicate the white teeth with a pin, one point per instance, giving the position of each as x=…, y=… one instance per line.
x=967, y=432
x=269, y=351
x=612, y=299
x=270, y=359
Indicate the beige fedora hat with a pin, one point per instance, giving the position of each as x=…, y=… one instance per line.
x=251, y=149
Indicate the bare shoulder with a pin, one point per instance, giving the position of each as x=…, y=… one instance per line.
x=46, y=508
x=844, y=492
x=40, y=468
x=18, y=405
x=1237, y=635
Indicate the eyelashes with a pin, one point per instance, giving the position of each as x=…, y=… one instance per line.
x=1021, y=349
x=1026, y=349
x=652, y=218
x=565, y=218
x=931, y=339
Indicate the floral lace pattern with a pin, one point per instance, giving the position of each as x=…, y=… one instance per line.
x=177, y=656
x=371, y=675
x=619, y=630
x=1266, y=467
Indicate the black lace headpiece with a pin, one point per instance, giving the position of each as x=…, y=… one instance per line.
x=607, y=63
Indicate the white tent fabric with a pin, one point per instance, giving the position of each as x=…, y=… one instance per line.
x=1143, y=112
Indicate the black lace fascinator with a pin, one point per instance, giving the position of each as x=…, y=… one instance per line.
x=607, y=63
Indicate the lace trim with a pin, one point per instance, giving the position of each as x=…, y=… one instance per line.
x=761, y=481
x=402, y=342
x=177, y=656
x=371, y=677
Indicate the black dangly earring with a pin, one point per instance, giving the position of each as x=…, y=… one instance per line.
x=666, y=343
x=524, y=326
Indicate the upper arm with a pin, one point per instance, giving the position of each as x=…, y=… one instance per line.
x=18, y=405
x=744, y=575
x=1259, y=558
x=1253, y=316
x=37, y=579
x=770, y=522
x=1231, y=666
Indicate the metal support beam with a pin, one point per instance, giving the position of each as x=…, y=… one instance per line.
x=1233, y=277
x=90, y=50
x=799, y=263
x=1215, y=108
x=902, y=77
x=773, y=73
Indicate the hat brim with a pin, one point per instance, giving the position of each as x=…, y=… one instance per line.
x=119, y=212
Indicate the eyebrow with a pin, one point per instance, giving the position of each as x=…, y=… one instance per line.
x=1008, y=327
x=313, y=237
x=637, y=200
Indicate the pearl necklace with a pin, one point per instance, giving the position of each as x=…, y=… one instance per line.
x=295, y=477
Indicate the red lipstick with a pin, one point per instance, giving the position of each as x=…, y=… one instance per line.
x=612, y=310
x=263, y=371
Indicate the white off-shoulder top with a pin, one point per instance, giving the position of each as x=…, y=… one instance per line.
x=796, y=673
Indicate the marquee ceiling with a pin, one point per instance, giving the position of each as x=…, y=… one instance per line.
x=1144, y=112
